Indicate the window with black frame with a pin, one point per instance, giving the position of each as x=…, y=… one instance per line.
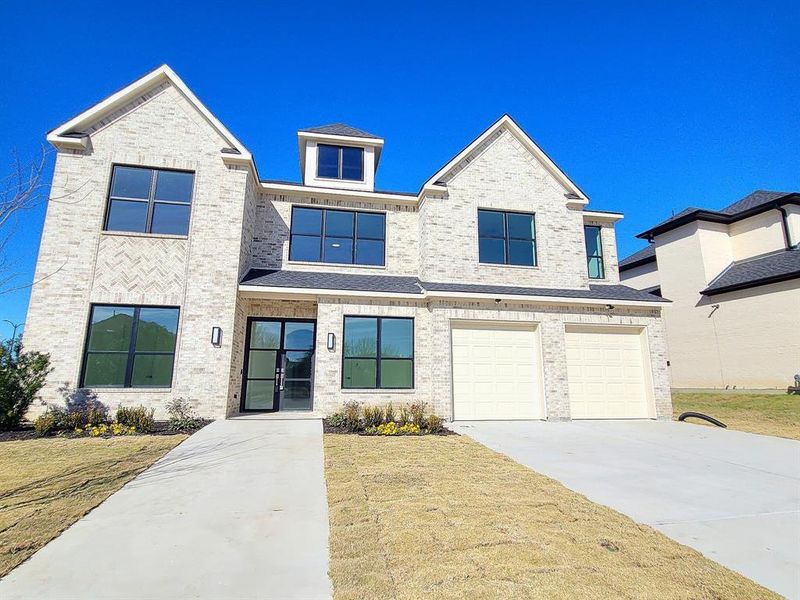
x=378, y=353
x=340, y=162
x=130, y=346
x=506, y=238
x=594, y=251
x=337, y=236
x=149, y=200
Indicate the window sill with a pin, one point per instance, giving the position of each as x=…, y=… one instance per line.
x=533, y=267
x=378, y=390
x=161, y=236
x=329, y=264
x=130, y=390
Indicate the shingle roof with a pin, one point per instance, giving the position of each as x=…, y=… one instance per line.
x=758, y=270
x=341, y=129
x=751, y=201
x=733, y=212
x=333, y=281
x=412, y=285
x=645, y=255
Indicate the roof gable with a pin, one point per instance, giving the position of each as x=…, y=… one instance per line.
x=340, y=129
x=572, y=191
x=73, y=133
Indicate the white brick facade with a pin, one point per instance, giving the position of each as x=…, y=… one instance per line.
x=238, y=224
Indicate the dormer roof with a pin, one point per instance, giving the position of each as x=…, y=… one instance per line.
x=341, y=129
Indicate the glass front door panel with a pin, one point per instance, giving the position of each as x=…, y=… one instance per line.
x=279, y=365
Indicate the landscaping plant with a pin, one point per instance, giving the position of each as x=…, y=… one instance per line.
x=352, y=416
x=182, y=416
x=139, y=417
x=82, y=408
x=373, y=416
x=22, y=375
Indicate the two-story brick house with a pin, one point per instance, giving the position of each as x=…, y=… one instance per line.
x=169, y=268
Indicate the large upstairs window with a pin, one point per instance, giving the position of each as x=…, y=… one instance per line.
x=340, y=162
x=130, y=346
x=149, y=200
x=506, y=238
x=337, y=236
x=378, y=353
x=594, y=251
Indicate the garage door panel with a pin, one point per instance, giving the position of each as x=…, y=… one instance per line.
x=606, y=374
x=496, y=372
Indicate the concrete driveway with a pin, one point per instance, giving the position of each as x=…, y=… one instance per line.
x=733, y=496
x=239, y=510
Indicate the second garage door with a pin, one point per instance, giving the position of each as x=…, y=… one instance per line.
x=496, y=372
x=607, y=373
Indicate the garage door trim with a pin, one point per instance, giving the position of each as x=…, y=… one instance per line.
x=533, y=326
x=647, y=365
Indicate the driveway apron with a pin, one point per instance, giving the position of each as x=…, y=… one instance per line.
x=733, y=496
x=238, y=510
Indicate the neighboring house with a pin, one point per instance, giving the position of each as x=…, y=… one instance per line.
x=733, y=277
x=168, y=268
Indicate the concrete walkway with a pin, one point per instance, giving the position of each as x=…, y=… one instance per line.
x=238, y=510
x=733, y=496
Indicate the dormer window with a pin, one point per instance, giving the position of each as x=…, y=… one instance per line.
x=340, y=162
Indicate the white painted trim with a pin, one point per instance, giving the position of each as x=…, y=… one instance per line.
x=340, y=139
x=508, y=122
x=289, y=293
x=307, y=190
x=602, y=216
x=128, y=93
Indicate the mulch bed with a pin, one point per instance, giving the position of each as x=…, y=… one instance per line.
x=26, y=432
x=327, y=427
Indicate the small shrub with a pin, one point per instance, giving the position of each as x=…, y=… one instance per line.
x=337, y=419
x=48, y=422
x=22, y=376
x=404, y=416
x=137, y=416
x=409, y=429
x=352, y=416
x=182, y=415
x=388, y=414
x=416, y=413
x=371, y=430
x=434, y=423
x=387, y=428
x=82, y=408
x=373, y=416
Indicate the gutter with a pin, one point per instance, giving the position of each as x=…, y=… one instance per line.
x=787, y=235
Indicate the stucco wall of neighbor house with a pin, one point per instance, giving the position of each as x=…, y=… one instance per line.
x=641, y=277
x=757, y=235
x=432, y=368
x=747, y=342
x=273, y=216
x=503, y=175
x=80, y=264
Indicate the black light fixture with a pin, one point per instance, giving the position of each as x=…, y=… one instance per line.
x=216, y=336
x=331, y=341
x=610, y=306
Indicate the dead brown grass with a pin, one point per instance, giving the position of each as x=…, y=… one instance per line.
x=445, y=517
x=48, y=484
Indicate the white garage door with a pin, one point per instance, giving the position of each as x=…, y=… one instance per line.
x=496, y=372
x=606, y=373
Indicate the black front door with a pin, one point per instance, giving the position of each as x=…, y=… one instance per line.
x=278, y=365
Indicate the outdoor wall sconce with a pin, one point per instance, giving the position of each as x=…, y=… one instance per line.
x=331, y=341
x=216, y=336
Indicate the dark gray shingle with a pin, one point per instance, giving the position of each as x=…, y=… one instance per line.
x=755, y=271
x=341, y=129
x=646, y=254
x=412, y=285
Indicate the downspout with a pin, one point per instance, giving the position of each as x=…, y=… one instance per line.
x=787, y=236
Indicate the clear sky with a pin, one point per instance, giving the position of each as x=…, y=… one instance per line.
x=648, y=106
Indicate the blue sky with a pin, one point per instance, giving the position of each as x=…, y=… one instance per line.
x=648, y=106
